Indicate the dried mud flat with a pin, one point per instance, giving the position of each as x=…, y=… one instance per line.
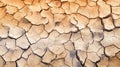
x=59, y=33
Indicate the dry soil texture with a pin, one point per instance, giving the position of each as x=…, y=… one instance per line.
x=59, y=33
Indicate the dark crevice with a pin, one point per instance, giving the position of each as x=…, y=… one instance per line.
x=97, y=63
x=57, y=23
x=79, y=60
x=107, y=16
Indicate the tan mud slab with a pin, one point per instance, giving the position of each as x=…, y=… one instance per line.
x=59, y=33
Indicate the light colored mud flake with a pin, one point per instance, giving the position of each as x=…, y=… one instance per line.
x=86, y=35
x=108, y=23
x=69, y=46
x=114, y=61
x=76, y=63
x=21, y=13
x=109, y=39
x=34, y=34
x=79, y=20
x=48, y=1
x=115, y=16
x=17, y=54
x=44, y=4
x=25, y=10
x=117, y=22
x=41, y=65
x=50, y=26
x=81, y=2
x=19, y=4
x=113, y=38
x=13, y=55
x=65, y=26
x=59, y=27
x=8, y=21
x=9, y=17
x=117, y=32
x=116, y=10
x=75, y=36
x=59, y=17
x=89, y=63
x=2, y=12
x=71, y=59
x=71, y=0
x=25, y=24
x=66, y=7
x=63, y=0
x=81, y=45
x=82, y=55
x=70, y=7
x=27, y=53
x=94, y=0
x=11, y=9
x=95, y=25
x=40, y=47
x=57, y=11
x=104, y=9
x=21, y=62
x=98, y=36
x=113, y=3
x=57, y=48
x=118, y=55
x=10, y=64
x=3, y=42
x=48, y=14
x=103, y=62
x=16, y=32
x=53, y=35
x=3, y=31
x=10, y=43
x=35, y=7
x=93, y=56
x=2, y=62
x=18, y=15
x=55, y=3
x=91, y=3
x=63, y=38
x=48, y=57
x=36, y=18
x=95, y=45
x=59, y=63
x=22, y=42
x=73, y=7
x=2, y=4
x=3, y=50
x=33, y=60
x=44, y=34
x=28, y=2
x=62, y=55
x=100, y=52
x=68, y=59
x=89, y=11
x=111, y=50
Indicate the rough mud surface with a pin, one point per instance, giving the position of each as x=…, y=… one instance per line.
x=59, y=33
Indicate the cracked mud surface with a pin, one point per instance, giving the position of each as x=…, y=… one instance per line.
x=59, y=33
